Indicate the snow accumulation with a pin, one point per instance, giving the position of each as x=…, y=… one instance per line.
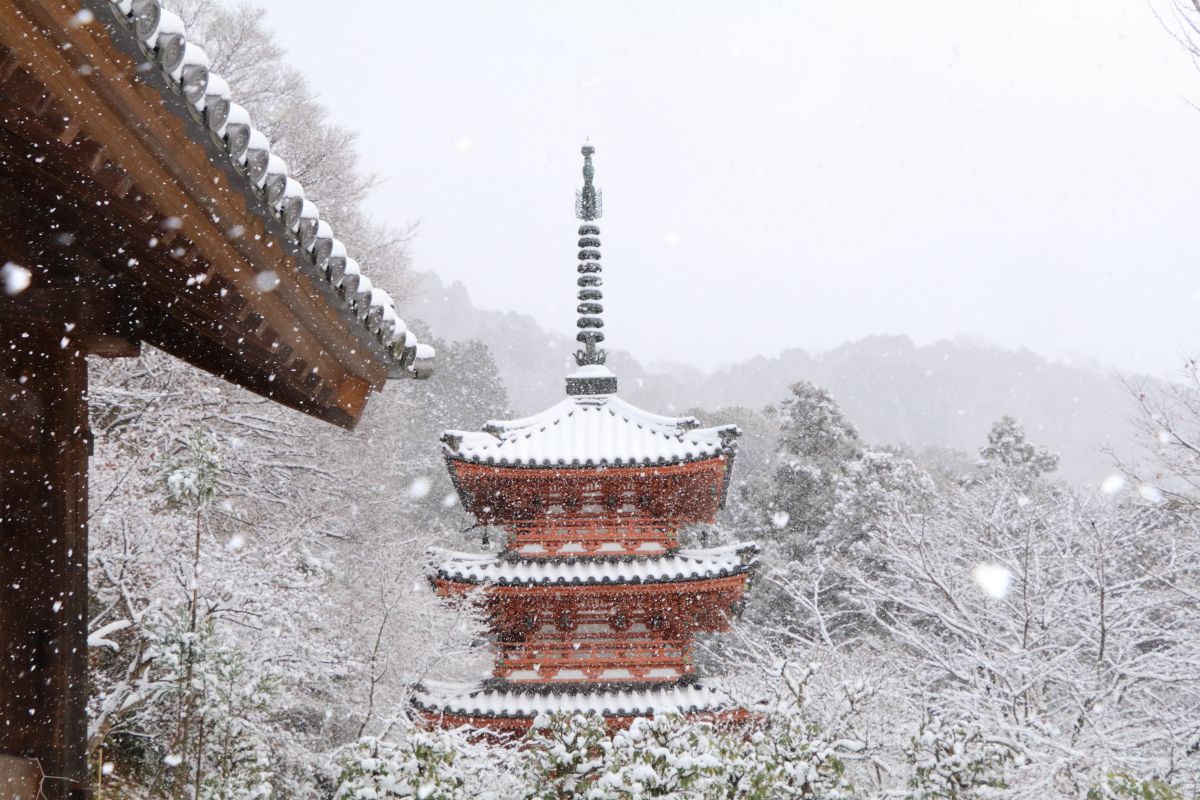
x=591, y=430
x=476, y=700
x=684, y=565
x=163, y=37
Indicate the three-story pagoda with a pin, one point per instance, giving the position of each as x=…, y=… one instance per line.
x=592, y=604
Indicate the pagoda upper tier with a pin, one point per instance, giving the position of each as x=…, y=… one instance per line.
x=592, y=474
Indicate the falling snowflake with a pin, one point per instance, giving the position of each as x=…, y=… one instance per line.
x=449, y=500
x=780, y=519
x=419, y=488
x=16, y=278
x=1113, y=484
x=993, y=579
x=464, y=143
x=266, y=281
x=236, y=542
x=1150, y=493
x=173, y=759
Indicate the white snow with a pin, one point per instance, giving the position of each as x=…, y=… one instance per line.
x=16, y=278
x=266, y=281
x=684, y=565
x=218, y=87
x=1113, y=484
x=591, y=431
x=1149, y=493
x=994, y=579
x=470, y=698
x=99, y=637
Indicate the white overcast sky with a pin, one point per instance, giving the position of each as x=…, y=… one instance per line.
x=789, y=174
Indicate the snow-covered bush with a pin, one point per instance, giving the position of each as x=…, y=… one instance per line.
x=1123, y=786
x=193, y=476
x=214, y=702
x=955, y=761
x=564, y=756
x=780, y=756
x=428, y=764
x=425, y=765
x=664, y=756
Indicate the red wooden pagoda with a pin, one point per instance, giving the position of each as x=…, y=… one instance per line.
x=593, y=605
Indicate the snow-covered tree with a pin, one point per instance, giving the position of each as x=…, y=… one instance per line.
x=564, y=756
x=1009, y=456
x=955, y=762
x=665, y=756
x=429, y=765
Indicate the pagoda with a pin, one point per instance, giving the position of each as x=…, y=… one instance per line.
x=593, y=605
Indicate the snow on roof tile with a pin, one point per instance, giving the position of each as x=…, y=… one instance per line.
x=482, y=701
x=683, y=565
x=591, y=430
x=162, y=36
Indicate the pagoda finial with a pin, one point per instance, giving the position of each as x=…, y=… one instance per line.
x=589, y=206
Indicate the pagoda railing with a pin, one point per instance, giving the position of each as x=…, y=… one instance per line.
x=595, y=656
x=589, y=534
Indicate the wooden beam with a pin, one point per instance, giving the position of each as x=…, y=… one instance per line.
x=20, y=778
x=43, y=556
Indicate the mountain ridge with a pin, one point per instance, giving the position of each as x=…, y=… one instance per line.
x=944, y=395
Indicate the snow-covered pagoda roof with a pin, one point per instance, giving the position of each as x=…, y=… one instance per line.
x=476, y=700
x=206, y=104
x=591, y=430
x=683, y=565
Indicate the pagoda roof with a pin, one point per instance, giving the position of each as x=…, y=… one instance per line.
x=600, y=430
x=478, y=700
x=683, y=565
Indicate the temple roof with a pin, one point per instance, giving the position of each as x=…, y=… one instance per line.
x=683, y=565
x=480, y=701
x=196, y=94
x=591, y=431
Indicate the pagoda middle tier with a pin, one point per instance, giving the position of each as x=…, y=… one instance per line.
x=602, y=620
